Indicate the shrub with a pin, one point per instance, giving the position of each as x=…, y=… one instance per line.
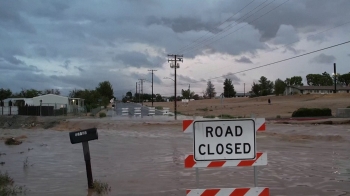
x=348, y=107
x=102, y=114
x=12, y=141
x=278, y=116
x=202, y=109
x=7, y=186
x=210, y=116
x=101, y=187
x=226, y=116
x=159, y=107
x=312, y=112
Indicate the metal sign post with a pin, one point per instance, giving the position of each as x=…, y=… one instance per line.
x=83, y=137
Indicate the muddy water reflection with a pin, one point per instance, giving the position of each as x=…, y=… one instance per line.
x=149, y=161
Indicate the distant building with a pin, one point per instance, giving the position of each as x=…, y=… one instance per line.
x=242, y=94
x=315, y=89
x=57, y=101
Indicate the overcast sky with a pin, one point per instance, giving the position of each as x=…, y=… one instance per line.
x=77, y=44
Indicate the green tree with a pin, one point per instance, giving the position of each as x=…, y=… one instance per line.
x=105, y=89
x=256, y=89
x=266, y=86
x=229, y=90
x=186, y=94
x=294, y=81
x=28, y=93
x=280, y=87
x=344, y=79
x=210, y=91
x=323, y=79
x=159, y=98
x=5, y=93
x=129, y=95
x=51, y=91
x=195, y=97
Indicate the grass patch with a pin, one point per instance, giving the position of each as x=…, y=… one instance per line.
x=12, y=141
x=202, y=109
x=102, y=114
x=312, y=112
x=7, y=186
x=101, y=187
x=210, y=116
x=226, y=116
x=159, y=107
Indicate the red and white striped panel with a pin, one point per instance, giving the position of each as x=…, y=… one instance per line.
x=187, y=125
x=255, y=191
x=261, y=159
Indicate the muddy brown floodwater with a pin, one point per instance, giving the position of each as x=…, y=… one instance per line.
x=147, y=160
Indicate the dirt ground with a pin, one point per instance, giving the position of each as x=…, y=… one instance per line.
x=280, y=105
x=146, y=157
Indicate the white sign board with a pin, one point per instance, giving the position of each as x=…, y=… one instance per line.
x=224, y=140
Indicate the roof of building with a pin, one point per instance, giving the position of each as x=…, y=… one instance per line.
x=321, y=87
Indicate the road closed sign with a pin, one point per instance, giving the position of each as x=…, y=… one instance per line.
x=224, y=140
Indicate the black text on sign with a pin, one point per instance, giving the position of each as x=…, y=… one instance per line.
x=224, y=140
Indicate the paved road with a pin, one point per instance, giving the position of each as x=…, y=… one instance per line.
x=131, y=106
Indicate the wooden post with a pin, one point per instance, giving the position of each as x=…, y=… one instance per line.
x=88, y=164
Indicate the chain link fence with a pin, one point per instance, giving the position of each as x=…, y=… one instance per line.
x=45, y=109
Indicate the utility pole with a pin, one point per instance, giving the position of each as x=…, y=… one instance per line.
x=139, y=91
x=175, y=65
x=244, y=90
x=152, y=70
x=142, y=89
x=189, y=91
x=135, y=91
x=335, y=78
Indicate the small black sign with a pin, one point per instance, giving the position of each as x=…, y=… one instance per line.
x=83, y=135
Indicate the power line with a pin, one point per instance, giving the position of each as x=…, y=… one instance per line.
x=194, y=48
x=217, y=26
x=283, y=60
x=293, y=42
x=229, y=26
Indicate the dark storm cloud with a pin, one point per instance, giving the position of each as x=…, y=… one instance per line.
x=91, y=33
x=243, y=60
x=302, y=14
x=182, y=78
x=79, y=68
x=137, y=59
x=184, y=24
x=235, y=79
x=323, y=59
x=66, y=64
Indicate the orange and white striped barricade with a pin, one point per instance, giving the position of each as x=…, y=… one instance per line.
x=225, y=143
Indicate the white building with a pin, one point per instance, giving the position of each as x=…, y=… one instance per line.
x=315, y=89
x=57, y=101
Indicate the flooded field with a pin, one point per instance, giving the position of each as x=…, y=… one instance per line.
x=147, y=159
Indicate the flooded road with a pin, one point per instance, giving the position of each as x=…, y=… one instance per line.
x=147, y=159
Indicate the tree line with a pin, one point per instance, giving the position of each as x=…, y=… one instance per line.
x=26, y=93
x=93, y=98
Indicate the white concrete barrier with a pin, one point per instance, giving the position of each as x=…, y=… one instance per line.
x=125, y=111
x=343, y=113
x=137, y=111
x=151, y=111
x=166, y=111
